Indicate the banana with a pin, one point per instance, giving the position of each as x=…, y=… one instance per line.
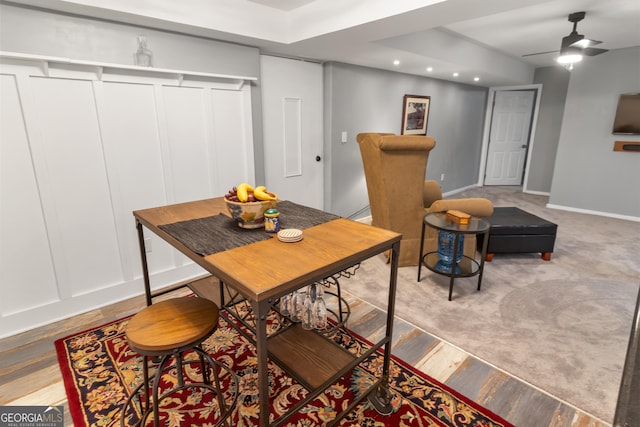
x=261, y=193
x=243, y=191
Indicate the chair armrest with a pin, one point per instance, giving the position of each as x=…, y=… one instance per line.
x=431, y=192
x=406, y=143
x=477, y=206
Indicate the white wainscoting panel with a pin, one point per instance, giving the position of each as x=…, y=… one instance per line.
x=232, y=138
x=187, y=142
x=133, y=155
x=82, y=146
x=27, y=278
x=78, y=208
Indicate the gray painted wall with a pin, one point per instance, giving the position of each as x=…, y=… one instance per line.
x=588, y=174
x=360, y=99
x=555, y=81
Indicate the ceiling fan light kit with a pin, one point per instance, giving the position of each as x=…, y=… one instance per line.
x=569, y=58
x=575, y=46
x=569, y=55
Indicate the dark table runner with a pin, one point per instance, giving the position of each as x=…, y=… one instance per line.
x=217, y=233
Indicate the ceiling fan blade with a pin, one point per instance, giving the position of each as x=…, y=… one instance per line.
x=540, y=53
x=584, y=43
x=593, y=51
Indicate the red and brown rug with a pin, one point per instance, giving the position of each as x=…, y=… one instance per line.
x=100, y=371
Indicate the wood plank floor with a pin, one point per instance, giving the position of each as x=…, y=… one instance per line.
x=29, y=373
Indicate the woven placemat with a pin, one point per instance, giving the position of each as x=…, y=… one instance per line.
x=206, y=236
x=217, y=233
x=293, y=215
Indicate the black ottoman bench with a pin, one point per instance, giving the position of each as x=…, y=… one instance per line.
x=516, y=231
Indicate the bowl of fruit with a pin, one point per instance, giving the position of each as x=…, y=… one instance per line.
x=247, y=205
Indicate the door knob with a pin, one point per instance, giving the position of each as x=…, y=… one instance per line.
x=318, y=158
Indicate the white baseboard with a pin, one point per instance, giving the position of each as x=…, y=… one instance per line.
x=365, y=220
x=538, y=193
x=591, y=212
x=459, y=190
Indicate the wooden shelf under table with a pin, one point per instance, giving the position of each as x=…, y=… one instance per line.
x=307, y=355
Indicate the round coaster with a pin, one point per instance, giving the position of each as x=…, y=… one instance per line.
x=290, y=235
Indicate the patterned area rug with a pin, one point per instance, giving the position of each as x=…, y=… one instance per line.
x=100, y=371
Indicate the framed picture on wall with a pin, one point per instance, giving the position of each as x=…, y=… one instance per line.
x=415, y=113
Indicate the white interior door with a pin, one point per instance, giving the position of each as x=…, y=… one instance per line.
x=509, y=137
x=292, y=112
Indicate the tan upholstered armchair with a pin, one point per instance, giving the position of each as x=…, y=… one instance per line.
x=399, y=196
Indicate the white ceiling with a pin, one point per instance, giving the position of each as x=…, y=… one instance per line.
x=483, y=38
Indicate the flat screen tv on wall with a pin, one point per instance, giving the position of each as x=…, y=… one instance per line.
x=627, y=121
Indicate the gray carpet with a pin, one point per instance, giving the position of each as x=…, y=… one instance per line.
x=562, y=325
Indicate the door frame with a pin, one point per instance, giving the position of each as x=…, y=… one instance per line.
x=487, y=129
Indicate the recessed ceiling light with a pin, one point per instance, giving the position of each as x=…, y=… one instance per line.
x=476, y=79
x=396, y=62
x=455, y=74
x=429, y=69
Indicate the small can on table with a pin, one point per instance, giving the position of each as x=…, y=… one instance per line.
x=272, y=221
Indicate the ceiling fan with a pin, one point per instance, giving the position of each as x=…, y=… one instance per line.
x=574, y=46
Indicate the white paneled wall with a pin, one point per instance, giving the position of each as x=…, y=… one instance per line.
x=82, y=146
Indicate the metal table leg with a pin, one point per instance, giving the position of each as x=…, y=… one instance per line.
x=421, y=249
x=454, y=264
x=485, y=243
x=145, y=267
x=261, y=309
x=381, y=397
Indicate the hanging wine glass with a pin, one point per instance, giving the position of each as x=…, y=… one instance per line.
x=297, y=305
x=319, y=309
x=285, y=305
x=307, y=309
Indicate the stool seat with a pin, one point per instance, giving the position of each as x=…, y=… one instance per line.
x=171, y=329
x=172, y=324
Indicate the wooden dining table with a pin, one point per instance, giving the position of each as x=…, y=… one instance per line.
x=263, y=271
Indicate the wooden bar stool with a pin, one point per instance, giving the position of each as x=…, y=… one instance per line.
x=168, y=329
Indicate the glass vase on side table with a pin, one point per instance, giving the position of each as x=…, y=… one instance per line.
x=449, y=259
